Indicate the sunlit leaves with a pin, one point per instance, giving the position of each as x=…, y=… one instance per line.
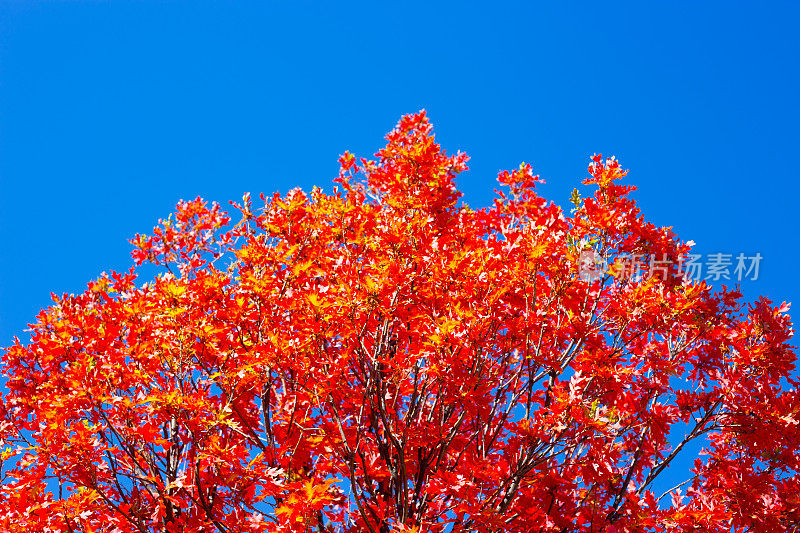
x=381, y=358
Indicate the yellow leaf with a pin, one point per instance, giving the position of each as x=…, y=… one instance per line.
x=174, y=290
x=301, y=267
x=538, y=250
x=371, y=285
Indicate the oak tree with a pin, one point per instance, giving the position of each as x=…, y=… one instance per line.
x=383, y=358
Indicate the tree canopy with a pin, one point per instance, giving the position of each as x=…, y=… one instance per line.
x=384, y=358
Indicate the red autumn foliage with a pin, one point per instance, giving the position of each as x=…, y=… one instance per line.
x=382, y=359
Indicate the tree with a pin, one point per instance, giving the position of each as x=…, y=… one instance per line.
x=383, y=359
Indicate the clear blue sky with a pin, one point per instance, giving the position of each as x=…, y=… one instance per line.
x=110, y=112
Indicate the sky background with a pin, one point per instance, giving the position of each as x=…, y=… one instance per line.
x=110, y=112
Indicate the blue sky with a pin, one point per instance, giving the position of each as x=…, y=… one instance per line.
x=110, y=112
